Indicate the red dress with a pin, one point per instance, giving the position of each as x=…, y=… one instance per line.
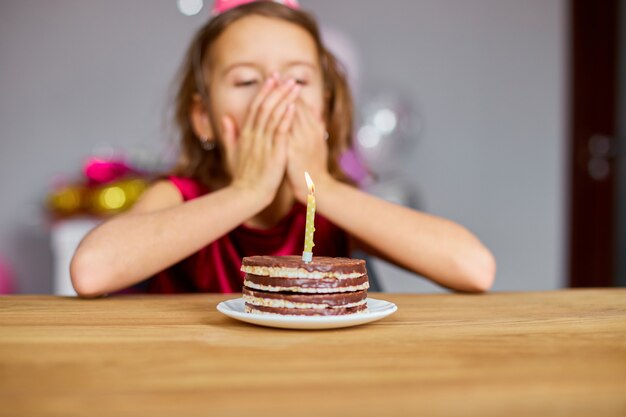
x=215, y=268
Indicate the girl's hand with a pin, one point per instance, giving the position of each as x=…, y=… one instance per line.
x=257, y=157
x=307, y=151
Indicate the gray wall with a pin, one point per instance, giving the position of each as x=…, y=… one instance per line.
x=488, y=77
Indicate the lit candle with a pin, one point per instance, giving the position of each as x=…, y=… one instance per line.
x=307, y=255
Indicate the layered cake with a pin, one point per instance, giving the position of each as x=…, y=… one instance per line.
x=286, y=285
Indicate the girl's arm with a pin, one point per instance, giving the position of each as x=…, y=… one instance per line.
x=439, y=249
x=159, y=231
x=431, y=246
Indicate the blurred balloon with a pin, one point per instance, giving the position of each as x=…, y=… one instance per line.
x=112, y=181
x=190, y=7
x=387, y=130
x=68, y=199
x=117, y=196
x=101, y=171
x=353, y=165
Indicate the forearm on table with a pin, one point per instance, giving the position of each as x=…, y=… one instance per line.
x=436, y=248
x=135, y=246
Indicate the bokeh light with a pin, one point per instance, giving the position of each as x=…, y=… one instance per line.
x=190, y=7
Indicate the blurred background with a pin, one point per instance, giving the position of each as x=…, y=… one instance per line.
x=503, y=115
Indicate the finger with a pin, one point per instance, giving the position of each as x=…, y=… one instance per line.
x=286, y=121
x=281, y=139
x=297, y=131
x=268, y=86
x=280, y=111
x=263, y=141
x=300, y=125
x=300, y=117
x=269, y=104
x=277, y=118
x=256, y=145
x=309, y=122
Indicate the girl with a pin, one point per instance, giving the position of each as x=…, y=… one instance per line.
x=261, y=100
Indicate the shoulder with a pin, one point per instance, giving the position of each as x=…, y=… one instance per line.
x=169, y=191
x=160, y=195
x=188, y=188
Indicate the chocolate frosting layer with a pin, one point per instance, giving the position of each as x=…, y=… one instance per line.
x=319, y=263
x=328, y=282
x=333, y=299
x=309, y=311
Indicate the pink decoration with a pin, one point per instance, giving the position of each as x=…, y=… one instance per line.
x=101, y=171
x=220, y=6
x=352, y=165
x=6, y=278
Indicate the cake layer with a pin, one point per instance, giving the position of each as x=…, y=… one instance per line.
x=306, y=285
x=295, y=267
x=295, y=300
x=337, y=311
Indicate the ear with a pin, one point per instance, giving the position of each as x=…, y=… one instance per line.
x=200, y=120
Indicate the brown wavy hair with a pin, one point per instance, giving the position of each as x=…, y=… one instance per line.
x=204, y=165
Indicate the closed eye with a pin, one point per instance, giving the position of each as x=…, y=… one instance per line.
x=245, y=83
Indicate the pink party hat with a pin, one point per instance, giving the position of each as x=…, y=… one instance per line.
x=220, y=6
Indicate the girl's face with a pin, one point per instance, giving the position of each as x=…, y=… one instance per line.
x=250, y=51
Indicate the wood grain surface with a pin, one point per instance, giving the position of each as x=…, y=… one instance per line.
x=559, y=353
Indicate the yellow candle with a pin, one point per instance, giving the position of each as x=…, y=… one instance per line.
x=307, y=255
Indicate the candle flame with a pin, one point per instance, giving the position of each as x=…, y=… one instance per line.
x=309, y=183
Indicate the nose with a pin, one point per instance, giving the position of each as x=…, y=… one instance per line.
x=275, y=74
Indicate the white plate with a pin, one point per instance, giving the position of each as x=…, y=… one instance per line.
x=377, y=310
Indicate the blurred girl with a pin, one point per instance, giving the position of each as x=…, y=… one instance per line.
x=261, y=100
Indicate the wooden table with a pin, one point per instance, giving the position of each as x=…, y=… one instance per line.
x=502, y=354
